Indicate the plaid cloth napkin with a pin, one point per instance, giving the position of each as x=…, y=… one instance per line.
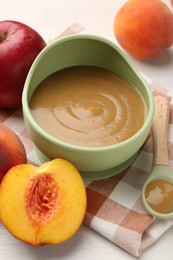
x=114, y=204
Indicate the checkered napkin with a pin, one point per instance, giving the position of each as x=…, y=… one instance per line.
x=114, y=207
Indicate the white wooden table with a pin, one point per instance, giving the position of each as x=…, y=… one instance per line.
x=50, y=18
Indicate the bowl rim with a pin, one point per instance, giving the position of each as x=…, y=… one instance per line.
x=28, y=116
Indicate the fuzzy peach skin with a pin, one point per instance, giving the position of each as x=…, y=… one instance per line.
x=12, y=150
x=43, y=205
x=144, y=28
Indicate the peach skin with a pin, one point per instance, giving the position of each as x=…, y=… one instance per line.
x=144, y=28
x=12, y=150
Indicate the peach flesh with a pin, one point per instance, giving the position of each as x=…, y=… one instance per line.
x=43, y=205
x=41, y=199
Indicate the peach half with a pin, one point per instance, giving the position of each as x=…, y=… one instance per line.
x=43, y=205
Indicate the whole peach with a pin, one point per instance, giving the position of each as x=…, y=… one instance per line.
x=144, y=28
x=12, y=151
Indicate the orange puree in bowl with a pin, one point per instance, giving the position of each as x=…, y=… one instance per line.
x=159, y=195
x=88, y=106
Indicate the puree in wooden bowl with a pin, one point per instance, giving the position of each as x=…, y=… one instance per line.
x=88, y=106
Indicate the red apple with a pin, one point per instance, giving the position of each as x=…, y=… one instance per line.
x=19, y=46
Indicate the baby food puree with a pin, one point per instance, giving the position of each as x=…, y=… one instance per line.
x=88, y=106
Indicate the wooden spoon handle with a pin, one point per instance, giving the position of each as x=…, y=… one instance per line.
x=160, y=130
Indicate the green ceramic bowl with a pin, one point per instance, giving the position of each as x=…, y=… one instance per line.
x=98, y=162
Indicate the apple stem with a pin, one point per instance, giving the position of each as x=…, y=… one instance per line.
x=2, y=38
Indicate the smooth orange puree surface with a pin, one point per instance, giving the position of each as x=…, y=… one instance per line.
x=159, y=195
x=88, y=106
